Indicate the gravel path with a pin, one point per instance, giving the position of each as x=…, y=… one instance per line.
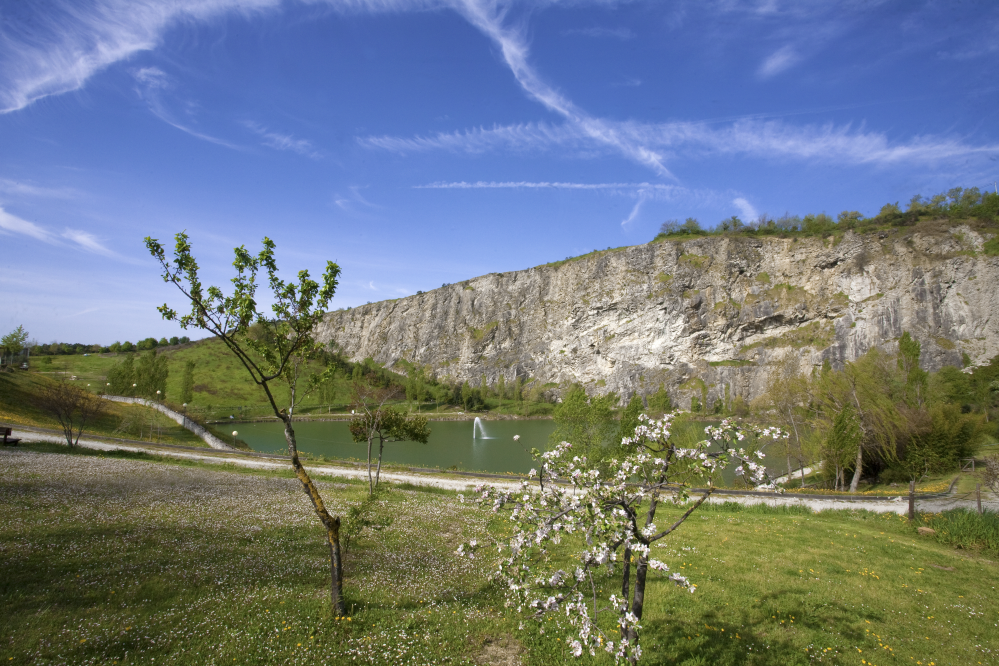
x=900, y=506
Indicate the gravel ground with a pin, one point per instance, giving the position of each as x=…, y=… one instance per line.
x=989, y=500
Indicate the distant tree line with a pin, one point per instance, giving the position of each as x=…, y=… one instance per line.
x=956, y=204
x=66, y=348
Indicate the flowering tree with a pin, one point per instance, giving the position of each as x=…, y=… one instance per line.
x=611, y=521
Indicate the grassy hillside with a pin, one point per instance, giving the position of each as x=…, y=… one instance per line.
x=19, y=406
x=221, y=384
x=174, y=563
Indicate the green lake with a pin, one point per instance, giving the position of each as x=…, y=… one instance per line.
x=451, y=444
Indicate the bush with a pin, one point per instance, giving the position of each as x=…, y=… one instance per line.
x=963, y=528
x=991, y=474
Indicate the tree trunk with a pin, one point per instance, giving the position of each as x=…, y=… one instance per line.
x=371, y=487
x=639, y=601
x=626, y=587
x=856, y=473
x=378, y=470
x=331, y=523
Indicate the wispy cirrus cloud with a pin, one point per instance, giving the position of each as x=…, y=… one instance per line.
x=153, y=84
x=763, y=139
x=354, y=202
x=279, y=141
x=634, y=212
x=57, y=50
x=778, y=61
x=20, y=188
x=630, y=188
x=746, y=208
x=88, y=242
x=13, y=225
x=641, y=192
x=615, y=33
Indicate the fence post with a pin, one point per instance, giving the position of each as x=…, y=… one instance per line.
x=912, y=500
x=978, y=496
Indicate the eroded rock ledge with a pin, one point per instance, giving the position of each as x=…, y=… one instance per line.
x=712, y=310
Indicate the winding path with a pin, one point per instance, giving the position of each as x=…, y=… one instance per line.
x=230, y=456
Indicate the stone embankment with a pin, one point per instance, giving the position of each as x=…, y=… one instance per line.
x=705, y=316
x=209, y=439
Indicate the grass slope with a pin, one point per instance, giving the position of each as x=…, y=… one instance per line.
x=161, y=562
x=222, y=386
x=18, y=406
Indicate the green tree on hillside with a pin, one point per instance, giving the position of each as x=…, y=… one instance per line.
x=151, y=374
x=660, y=402
x=629, y=417
x=12, y=344
x=72, y=406
x=121, y=377
x=278, y=351
x=586, y=422
x=187, y=383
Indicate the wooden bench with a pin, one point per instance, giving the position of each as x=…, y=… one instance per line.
x=7, y=439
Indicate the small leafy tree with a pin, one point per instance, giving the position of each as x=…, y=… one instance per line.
x=611, y=520
x=786, y=398
x=629, y=417
x=868, y=387
x=151, y=374
x=586, y=421
x=72, y=407
x=187, y=383
x=383, y=423
x=121, y=376
x=276, y=350
x=12, y=344
x=840, y=446
x=659, y=402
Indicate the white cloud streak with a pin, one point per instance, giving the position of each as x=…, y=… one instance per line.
x=153, y=83
x=279, y=141
x=616, y=33
x=83, y=240
x=753, y=138
x=88, y=242
x=523, y=184
x=488, y=18
x=634, y=212
x=57, y=50
x=748, y=212
x=18, y=188
x=11, y=224
x=354, y=201
x=777, y=62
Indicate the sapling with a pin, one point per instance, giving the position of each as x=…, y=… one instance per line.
x=275, y=347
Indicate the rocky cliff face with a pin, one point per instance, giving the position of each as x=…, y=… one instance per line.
x=703, y=316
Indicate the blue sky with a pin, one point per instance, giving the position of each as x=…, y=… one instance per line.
x=419, y=142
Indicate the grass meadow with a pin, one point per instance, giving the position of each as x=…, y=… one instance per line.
x=128, y=559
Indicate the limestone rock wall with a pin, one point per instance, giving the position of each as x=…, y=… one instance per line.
x=712, y=310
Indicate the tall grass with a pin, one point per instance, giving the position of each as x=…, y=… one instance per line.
x=963, y=528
